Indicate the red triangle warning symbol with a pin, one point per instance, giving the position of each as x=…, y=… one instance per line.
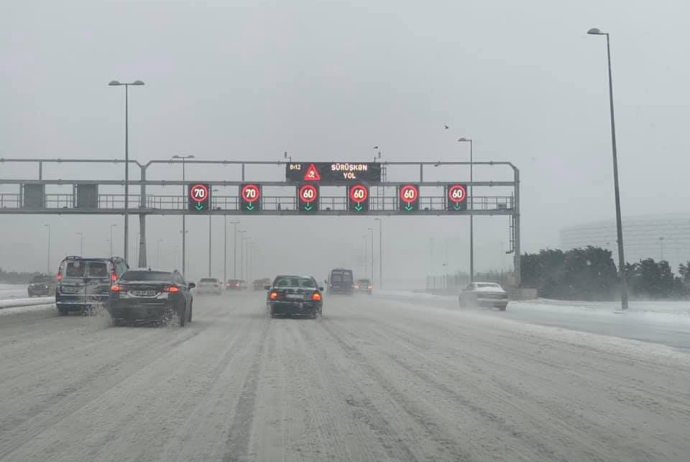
x=312, y=174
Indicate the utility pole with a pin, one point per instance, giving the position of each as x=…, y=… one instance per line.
x=234, y=249
x=81, y=244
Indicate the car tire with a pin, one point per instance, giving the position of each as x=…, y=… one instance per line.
x=191, y=310
x=503, y=308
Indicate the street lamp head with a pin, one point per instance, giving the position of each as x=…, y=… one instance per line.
x=595, y=31
x=114, y=83
x=138, y=83
x=464, y=140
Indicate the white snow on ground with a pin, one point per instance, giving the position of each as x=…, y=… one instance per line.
x=28, y=309
x=13, y=291
x=677, y=308
x=373, y=380
x=12, y=302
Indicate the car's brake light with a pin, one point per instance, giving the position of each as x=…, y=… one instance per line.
x=273, y=296
x=113, y=277
x=316, y=296
x=59, y=277
x=116, y=288
x=171, y=289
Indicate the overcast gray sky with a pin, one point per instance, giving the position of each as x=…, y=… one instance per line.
x=327, y=80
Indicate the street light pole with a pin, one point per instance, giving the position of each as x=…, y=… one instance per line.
x=48, y=255
x=81, y=244
x=184, y=210
x=115, y=83
x=380, y=251
x=619, y=220
x=470, y=201
x=209, y=231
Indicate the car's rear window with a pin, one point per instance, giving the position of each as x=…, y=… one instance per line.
x=294, y=281
x=86, y=268
x=341, y=276
x=208, y=280
x=147, y=276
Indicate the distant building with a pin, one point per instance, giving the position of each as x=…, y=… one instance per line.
x=659, y=237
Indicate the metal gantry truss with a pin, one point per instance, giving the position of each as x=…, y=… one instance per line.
x=30, y=196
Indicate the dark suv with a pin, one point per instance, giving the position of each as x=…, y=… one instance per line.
x=42, y=284
x=84, y=283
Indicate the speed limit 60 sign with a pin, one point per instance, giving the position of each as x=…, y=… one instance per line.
x=199, y=197
x=250, y=197
x=456, y=195
x=358, y=198
x=408, y=196
x=308, y=197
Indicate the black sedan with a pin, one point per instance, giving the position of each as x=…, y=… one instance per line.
x=146, y=295
x=294, y=296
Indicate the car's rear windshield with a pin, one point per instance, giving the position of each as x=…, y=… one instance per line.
x=43, y=279
x=208, y=280
x=86, y=268
x=294, y=281
x=484, y=285
x=147, y=276
x=341, y=276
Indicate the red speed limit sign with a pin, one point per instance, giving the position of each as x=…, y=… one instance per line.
x=457, y=197
x=359, y=198
x=308, y=195
x=409, y=197
x=198, y=192
x=249, y=195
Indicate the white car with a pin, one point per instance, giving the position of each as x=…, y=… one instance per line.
x=484, y=294
x=209, y=286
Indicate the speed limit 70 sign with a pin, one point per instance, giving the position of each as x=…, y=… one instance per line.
x=199, y=197
x=250, y=197
x=456, y=195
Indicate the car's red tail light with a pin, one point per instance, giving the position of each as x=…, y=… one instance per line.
x=59, y=277
x=237, y=285
x=171, y=289
x=116, y=288
x=113, y=277
x=273, y=296
x=316, y=296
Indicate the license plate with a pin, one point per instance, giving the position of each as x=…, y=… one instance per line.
x=143, y=293
x=294, y=296
x=70, y=290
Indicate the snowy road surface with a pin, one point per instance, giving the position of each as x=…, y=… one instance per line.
x=374, y=380
x=665, y=322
